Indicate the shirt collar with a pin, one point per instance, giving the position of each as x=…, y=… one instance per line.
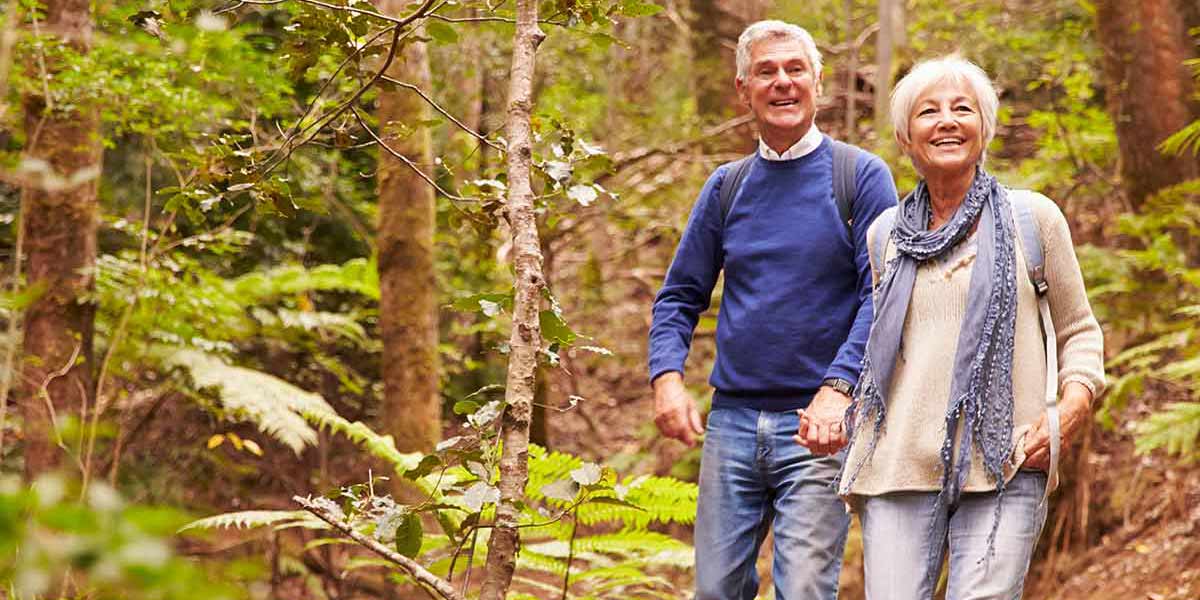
x=807, y=144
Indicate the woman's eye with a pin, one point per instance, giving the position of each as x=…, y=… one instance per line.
x=964, y=108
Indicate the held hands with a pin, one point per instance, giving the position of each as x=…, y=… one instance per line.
x=674, y=409
x=821, y=429
x=1074, y=409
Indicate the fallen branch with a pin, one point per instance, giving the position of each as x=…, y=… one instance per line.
x=410, y=566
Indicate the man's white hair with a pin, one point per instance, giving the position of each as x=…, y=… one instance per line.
x=931, y=72
x=763, y=30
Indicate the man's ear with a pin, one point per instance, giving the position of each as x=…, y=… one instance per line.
x=742, y=92
x=820, y=83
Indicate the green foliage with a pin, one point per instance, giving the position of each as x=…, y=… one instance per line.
x=1160, y=345
x=1175, y=428
x=250, y=519
x=53, y=544
x=277, y=407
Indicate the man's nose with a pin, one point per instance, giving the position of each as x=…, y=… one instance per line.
x=781, y=78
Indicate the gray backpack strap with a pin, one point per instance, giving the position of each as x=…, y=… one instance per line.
x=845, y=185
x=733, y=182
x=1031, y=242
x=883, y=231
x=1035, y=264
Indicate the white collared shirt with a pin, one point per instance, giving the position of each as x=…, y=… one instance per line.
x=807, y=144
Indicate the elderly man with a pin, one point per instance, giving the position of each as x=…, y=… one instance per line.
x=793, y=322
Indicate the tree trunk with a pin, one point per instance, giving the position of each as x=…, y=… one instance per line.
x=885, y=42
x=1149, y=90
x=59, y=217
x=408, y=291
x=715, y=27
x=526, y=337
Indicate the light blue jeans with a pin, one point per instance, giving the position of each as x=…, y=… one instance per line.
x=899, y=528
x=754, y=476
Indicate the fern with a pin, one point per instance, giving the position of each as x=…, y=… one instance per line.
x=1174, y=429
x=252, y=519
x=357, y=275
x=381, y=446
x=276, y=406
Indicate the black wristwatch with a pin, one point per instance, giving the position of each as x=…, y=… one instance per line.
x=839, y=385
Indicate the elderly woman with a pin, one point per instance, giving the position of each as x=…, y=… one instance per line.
x=950, y=430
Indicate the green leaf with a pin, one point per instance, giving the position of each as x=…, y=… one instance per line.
x=555, y=329
x=465, y=407
x=441, y=32
x=637, y=8
x=408, y=535
x=428, y=464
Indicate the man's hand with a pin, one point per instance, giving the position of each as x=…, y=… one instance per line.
x=674, y=409
x=1074, y=409
x=821, y=429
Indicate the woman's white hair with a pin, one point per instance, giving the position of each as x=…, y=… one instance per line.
x=764, y=30
x=931, y=72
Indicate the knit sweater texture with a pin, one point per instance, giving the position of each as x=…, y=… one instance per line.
x=906, y=457
x=796, y=306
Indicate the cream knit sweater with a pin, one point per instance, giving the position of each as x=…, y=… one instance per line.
x=906, y=457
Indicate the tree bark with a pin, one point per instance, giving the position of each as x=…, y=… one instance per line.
x=1148, y=89
x=715, y=27
x=525, y=341
x=60, y=232
x=408, y=291
x=885, y=42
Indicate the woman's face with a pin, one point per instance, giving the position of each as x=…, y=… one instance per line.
x=945, y=130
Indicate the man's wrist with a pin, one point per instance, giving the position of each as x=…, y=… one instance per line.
x=839, y=385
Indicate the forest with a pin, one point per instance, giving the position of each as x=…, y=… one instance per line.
x=338, y=299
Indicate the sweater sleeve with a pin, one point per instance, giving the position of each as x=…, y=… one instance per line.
x=1080, y=339
x=876, y=193
x=687, y=291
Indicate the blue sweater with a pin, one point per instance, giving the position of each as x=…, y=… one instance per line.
x=796, y=306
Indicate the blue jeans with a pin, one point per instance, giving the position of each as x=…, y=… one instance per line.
x=754, y=476
x=899, y=528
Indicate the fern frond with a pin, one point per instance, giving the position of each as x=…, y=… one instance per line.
x=1175, y=429
x=1183, y=141
x=657, y=548
x=530, y=559
x=381, y=446
x=357, y=275
x=273, y=404
x=659, y=500
x=250, y=519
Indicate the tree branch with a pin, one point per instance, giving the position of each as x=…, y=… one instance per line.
x=410, y=566
x=427, y=99
x=404, y=159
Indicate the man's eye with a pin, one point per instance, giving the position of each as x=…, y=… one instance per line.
x=926, y=111
x=964, y=108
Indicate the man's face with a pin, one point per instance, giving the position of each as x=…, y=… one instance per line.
x=781, y=90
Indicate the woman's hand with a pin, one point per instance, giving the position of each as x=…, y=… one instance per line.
x=1075, y=408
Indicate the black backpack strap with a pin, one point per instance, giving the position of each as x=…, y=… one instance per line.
x=845, y=186
x=734, y=175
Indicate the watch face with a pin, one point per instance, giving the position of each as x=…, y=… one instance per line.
x=840, y=385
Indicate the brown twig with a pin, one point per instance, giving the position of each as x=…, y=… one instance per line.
x=404, y=159
x=412, y=567
x=437, y=107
